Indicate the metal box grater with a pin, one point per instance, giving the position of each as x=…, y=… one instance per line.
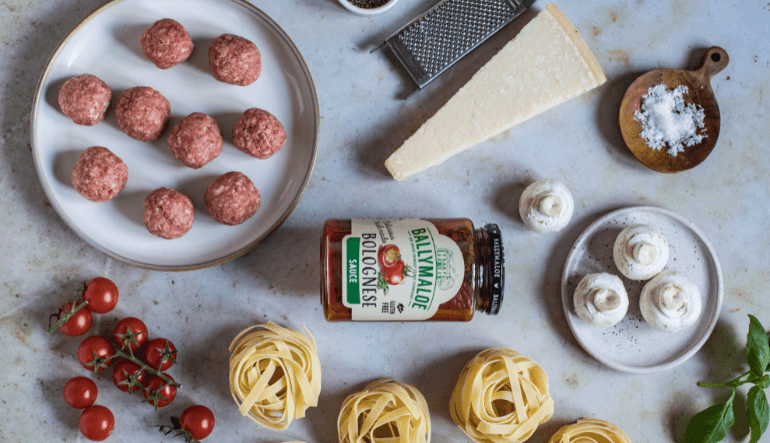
x=446, y=32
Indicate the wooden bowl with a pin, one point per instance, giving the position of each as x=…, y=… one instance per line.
x=699, y=93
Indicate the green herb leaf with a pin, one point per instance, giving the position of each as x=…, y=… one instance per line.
x=712, y=424
x=759, y=413
x=757, y=348
x=757, y=380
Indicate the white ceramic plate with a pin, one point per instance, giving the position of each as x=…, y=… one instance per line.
x=632, y=345
x=106, y=44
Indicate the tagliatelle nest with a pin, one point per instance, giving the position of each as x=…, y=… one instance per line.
x=386, y=411
x=500, y=397
x=590, y=430
x=275, y=374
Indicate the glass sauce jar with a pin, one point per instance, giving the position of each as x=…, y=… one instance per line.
x=403, y=270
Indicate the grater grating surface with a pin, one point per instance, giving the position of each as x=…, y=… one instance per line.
x=435, y=40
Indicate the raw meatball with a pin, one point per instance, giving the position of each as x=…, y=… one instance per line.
x=258, y=133
x=234, y=60
x=232, y=198
x=99, y=175
x=196, y=140
x=143, y=113
x=166, y=43
x=168, y=213
x=85, y=99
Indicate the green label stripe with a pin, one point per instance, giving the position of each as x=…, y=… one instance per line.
x=352, y=268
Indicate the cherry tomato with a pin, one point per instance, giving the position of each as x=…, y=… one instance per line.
x=127, y=374
x=78, y=324
x=159, y=354
x=162, y=396
x=95, y=353
x=199, y=420
x=388, y=255
x=394, y=278
x=96, y=422
x=101, y=295
x=133, y=330
x=395, y=274
x=80, y=392
x=399, y=267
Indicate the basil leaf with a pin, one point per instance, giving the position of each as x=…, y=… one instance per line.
x=712, y=424
x=757, y=380
x=759, y=413
x=757, y=348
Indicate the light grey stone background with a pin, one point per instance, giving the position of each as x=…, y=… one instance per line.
x=363, y=120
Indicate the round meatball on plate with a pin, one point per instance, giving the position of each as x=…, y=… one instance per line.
x=166, y=43
x=258, y=133
x=99, y=175
x=85, y=99
x=232, y=198
x=196, y=140
x=143, y=113
x=234, y=60
x=168, y=213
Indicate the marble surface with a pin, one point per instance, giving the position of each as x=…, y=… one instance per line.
x=363, y=119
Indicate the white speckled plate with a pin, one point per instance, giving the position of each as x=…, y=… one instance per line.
x=632, y=345
x=106, y=44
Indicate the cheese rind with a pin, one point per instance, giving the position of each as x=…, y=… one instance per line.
x=547, y=64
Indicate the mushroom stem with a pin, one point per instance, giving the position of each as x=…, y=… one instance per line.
x=551, y=205
x=645, y=253
x=672, y=298
x=605, y=299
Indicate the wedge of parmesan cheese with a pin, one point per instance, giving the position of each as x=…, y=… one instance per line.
x=547, y=64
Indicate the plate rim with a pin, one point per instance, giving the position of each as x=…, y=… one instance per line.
x=38, y=98
x=567, y=302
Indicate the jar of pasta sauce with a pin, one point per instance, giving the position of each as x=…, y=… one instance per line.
x=410, y=269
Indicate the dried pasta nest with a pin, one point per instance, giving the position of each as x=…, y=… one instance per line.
x=386, y=411
x=275, y=374
x=501, y=397
x=590, y=430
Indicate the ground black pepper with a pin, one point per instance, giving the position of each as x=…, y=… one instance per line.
x=368, y=4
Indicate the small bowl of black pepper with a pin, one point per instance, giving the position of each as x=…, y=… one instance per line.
x=367, y=7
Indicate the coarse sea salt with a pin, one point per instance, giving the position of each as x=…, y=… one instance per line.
x=667, y=120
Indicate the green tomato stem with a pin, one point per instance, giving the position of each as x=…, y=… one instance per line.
x=67, y=315
x=147, y=368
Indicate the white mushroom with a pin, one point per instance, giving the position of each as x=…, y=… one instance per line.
x=640, y=252
x=670, y=302
x=601, y=299
x=546, y=206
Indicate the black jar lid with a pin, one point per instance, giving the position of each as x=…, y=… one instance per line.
x=496, y=271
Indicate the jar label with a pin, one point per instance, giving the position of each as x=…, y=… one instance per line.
x=398, y=269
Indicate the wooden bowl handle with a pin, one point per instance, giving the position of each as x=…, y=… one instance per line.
x=715, y=60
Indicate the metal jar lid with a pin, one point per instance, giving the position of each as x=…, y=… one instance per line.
x=496, y=271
